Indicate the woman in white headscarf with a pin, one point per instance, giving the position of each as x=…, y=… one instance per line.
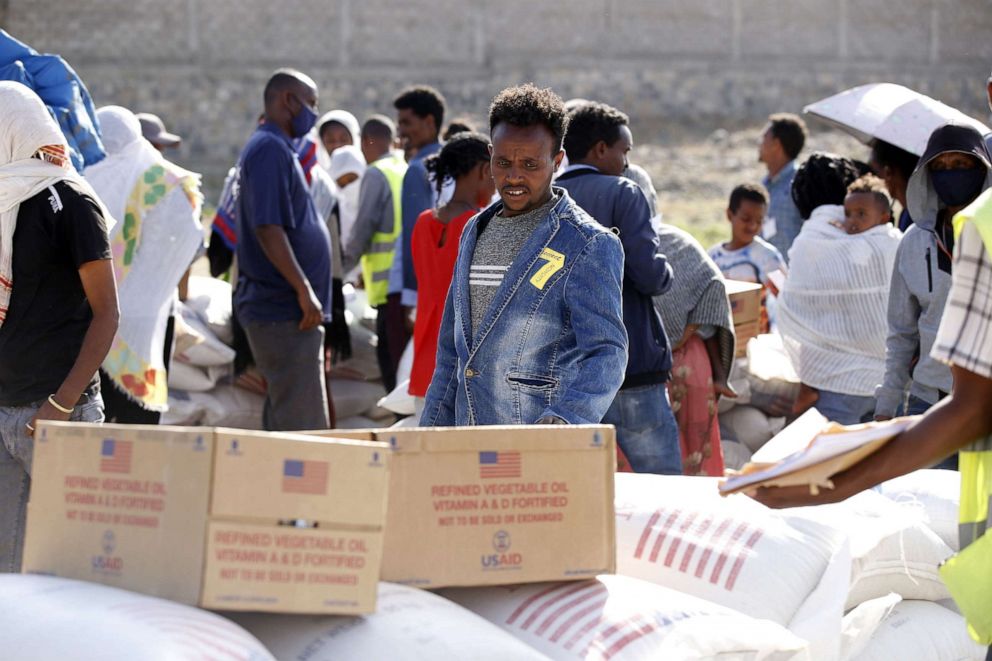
x=158, y=204
x=58, y=303
x=347, y=169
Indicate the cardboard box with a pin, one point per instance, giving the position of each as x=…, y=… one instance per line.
x=745, y=300
x=744, y=332
x=210, y=517
x=499, y=505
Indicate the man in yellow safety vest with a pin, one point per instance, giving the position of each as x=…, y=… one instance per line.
x=377, y=224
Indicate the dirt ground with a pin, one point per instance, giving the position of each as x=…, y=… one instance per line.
x=695, y=172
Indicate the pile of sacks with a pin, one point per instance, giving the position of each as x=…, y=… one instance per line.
x=698, y=577
x=203, y=389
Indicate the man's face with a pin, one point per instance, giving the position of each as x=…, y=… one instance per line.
x=768, y=146
x=334, y=136
x=415, y=131
x=745, y=223
x=523, y=162
x=614, y=157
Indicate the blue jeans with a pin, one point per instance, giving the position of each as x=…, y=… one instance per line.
x=646, y=429
x=845, y=409
x=16, y=453
x=917, y=406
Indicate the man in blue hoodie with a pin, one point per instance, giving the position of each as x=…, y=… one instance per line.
x=532, y=328
x=597, y=144
x=952, y=172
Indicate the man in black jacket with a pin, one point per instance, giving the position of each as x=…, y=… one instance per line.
x=597, y=144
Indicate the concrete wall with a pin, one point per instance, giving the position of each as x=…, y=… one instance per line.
x=201, y=64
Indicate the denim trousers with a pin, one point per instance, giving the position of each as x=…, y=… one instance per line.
x=646, y=429
x=845, y=409
x=16, y=453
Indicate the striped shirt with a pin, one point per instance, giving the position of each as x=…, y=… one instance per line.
x=495, y=251
x=965, y=335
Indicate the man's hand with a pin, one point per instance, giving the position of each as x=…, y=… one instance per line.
x=724, y=389
x=46, y=412
x=800, y=496
x=313, y=312
x=551, y=420
x=882, y=418
x=408, y=319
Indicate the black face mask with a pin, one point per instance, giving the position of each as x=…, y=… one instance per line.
x=956, y=188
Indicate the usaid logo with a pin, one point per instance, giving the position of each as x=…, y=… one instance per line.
x=234, y=449
x=107, y=563
x=502, y=559
x=199, y=445
x=597, y=440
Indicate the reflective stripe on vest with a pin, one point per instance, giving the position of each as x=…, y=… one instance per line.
x=377, y=262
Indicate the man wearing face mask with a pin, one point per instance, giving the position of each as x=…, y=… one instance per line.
x=284, y=260
x=952, y=172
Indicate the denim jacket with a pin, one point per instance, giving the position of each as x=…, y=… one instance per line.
x=553, y=340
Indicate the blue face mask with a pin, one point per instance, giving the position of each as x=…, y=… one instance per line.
x=304, y=120
x=956, y=188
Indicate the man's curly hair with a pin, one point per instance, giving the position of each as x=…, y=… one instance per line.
x=527, y=105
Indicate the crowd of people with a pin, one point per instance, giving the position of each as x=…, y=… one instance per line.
x=526, y=262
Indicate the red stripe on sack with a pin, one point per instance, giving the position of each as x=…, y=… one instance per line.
x=646, y=534
x=670, y=558
x=586, y=628
x=691, y=549
x=656, y=549
x=200, y=640
x=190, y=625
x=701, y=567
x=530, y=600
x=578, y=615
x=600, y=640
x=640, y=632
x=724, y=556
x=9, y=284
x=596, y=591
x=551, y=602
x=742, y=556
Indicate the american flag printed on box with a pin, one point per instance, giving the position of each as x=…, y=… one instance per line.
x=115, y=456
x=500, y=464
x=304, y=476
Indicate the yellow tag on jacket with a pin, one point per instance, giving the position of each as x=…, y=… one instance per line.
x=555, y=262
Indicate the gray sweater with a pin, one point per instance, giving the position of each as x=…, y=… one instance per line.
x=495, y=250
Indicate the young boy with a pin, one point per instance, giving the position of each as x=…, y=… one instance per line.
x=747, y=256
x=867, y=205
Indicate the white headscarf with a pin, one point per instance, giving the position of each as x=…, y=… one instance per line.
x=26, y=127
x=344, y=160
x=342, y=117
x=128, y=156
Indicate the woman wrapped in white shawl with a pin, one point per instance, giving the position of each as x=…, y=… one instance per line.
x=158, y=205
x=832, y=308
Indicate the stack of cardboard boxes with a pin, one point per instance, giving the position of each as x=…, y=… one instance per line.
x=253, y=521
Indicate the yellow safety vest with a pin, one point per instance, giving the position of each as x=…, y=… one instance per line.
x=377, y=262
x=968, y=575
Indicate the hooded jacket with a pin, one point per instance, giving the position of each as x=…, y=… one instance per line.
x=921, y=279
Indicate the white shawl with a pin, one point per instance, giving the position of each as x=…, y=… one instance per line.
x=25, y=128
x=832, y=309
x=159, y=205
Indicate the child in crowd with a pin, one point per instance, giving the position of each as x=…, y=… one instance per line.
x=464, y=159
x=747, y=256
x=867, y=205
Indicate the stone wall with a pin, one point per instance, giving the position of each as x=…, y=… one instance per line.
x=201, y=64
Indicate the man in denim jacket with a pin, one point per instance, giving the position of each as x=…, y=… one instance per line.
x=532, y=328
